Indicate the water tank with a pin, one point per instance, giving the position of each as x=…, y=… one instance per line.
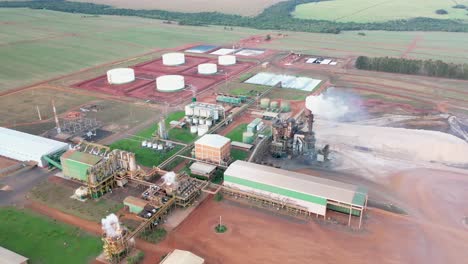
x=285, y=106
x=193, y=129
x=155, y=146
x=120, y=75
x=264, y=103
x=274, y=105
x=173, y=59
x=195, y=120
x=202, y=130
x=227, y=60
x=201, y=121
x=149, y=145
x=207, y=68
x=209, y=122
x=248, y=137
x=143, y=143
x=170, y=83
x=216, y=115
x=160, y=147
x=189, y=110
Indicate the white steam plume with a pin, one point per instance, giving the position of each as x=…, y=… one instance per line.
x=327, y=107
x=169, y=178
x=111, y=225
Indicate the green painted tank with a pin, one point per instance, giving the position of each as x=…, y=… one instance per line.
x=248, y=137
x=285, y=106
x=274, y=105
x=264, y=103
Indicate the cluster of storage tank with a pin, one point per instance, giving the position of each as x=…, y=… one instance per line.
x=255, y=126
x=155, y=145
x=274, y=105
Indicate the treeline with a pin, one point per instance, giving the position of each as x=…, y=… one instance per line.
x=432, y=68
x=275, y=17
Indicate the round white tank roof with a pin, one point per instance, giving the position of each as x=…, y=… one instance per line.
x=226, y=60
x=170, y=83
x=173, y=58
x=207, y=68
x=120, y=75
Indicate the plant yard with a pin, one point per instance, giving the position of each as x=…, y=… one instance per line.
x=58, y=196
x=45, y=241
x=372, y=11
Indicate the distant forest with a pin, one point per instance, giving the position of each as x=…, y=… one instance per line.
x=275, y=17
x=417, y=67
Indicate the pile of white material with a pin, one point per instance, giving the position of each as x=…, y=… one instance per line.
x=398, y=143
x=111, y=226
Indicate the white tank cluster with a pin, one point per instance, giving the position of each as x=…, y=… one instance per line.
x=227, y=60
x=120, y=75
x=207, y=68
x=170, y=83
x=173, y=58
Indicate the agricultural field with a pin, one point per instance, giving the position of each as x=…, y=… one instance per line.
x=36, y=45
x=446, y=46
x=193, y=6
x=372, y=11
x=57, y=196
x=45, y=241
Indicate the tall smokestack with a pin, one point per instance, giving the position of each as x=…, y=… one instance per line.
x=310, y=120
x=56, y=118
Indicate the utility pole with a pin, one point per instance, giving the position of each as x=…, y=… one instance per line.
x=56, y=118
x=39, y=112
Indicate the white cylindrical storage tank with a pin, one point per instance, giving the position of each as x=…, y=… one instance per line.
x=160, y=147
x=215, y=115
x=195, y=120
x=202, y=130
x=209, y=122
x=226, y=60
x=193, y=129
x=155, y=146
x=173, y=59
x=201, y=121
x=120, y=75
x=188, y=110
x=170, y=83
x=207, y=68
x=143, y=143
x=149, y=145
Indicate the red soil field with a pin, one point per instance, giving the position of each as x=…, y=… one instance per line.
x=144, y=86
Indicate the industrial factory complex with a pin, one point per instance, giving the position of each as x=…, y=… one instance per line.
x=225, y=122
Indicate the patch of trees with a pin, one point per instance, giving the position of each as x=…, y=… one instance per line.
x=432, y=68
x=441, y=12
x=275, y=17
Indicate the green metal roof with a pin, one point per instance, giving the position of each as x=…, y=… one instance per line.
x=81, y=157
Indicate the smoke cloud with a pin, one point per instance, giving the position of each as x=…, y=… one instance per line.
x=111, y=225
x=336, y=105
x=169, y=178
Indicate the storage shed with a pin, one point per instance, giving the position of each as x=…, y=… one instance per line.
x=10, y=257
x=23, y=146
x=75, y=164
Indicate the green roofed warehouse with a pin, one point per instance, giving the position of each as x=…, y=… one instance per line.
x=316, y=195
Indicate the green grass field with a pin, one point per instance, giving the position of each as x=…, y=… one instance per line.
x=237, y=154
x=38, y=44
x=236, y=133
x=43, y=240
x=377, y=11
x=58, y=196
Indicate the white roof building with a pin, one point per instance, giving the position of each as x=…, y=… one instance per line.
x=182, y=257
x=213, y=140
x=10, y=257
x=23, y=146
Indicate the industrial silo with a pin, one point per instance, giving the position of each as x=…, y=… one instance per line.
x=248, y=137
x=207, y=68
x=227, y=60
x=120, y=75
x=274, y=105
x=173, y=59
x=264, y=103
x=285, y=106
x=170, y=83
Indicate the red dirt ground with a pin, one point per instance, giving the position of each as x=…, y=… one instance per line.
x=144, y=86
x=6, y=162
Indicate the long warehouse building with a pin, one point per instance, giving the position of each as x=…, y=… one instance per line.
x=26, y=147
x=313, y=193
